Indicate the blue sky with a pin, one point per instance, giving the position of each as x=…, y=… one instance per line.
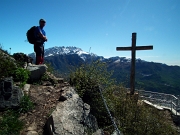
x=101, y=25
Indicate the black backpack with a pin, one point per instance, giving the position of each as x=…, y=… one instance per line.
x=31, y=36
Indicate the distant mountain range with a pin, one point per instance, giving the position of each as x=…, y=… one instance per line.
x=149, y=75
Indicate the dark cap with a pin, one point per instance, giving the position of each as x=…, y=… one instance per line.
x=42, y=20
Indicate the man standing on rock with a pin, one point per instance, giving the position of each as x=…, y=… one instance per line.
x=40, y=35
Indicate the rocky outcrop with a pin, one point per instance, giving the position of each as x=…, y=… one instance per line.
x=71, y=116
x=10, y=95
x=36, y=71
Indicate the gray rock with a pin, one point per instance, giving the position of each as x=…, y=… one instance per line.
x=10, y=95
x=32, y=133
x=72, y=117
x=26, y=88
x=36, y=71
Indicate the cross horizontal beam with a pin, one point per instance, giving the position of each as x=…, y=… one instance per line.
x=150, y=47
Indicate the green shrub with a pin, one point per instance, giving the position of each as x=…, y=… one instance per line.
x=50, y=68
x=22, y=75
x=45, y=77
x=7, y=64
x=20, y=59
x=25, y=104
x=10, y=124
x=137, y=118
x=89, y=76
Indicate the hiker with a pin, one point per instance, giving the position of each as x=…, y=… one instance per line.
x=40, y=36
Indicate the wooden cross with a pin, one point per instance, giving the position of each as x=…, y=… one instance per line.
x=133, y=60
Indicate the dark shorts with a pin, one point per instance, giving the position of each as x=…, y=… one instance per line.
x=39, y=49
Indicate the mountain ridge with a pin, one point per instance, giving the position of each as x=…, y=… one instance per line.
x=150, y=76
x=61, y=50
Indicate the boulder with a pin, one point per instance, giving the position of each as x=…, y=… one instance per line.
x=71, y=116
x=10, y=95
x=36, y=71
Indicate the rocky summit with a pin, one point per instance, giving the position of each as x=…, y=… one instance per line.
x=58, y=110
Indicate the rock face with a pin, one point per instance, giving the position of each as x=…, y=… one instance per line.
x=71, y=116
x=9, y=95
x=36, y=71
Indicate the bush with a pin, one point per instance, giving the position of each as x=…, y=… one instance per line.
x=25, y=104
x=10, y=124
x=137, y=118
x=22, y=75
x=88, y=77
x=50, y=69
x=7, y=64
x=20, y=58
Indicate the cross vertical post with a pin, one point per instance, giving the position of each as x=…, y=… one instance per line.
x=133, y=56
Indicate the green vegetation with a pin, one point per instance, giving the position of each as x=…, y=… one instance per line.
x=132, y=117
x=26, y=104
x=9, y=67
x=150, y=76
x=7, y=64
x=50, y=69
x=20, y=58
x=10, y=124
x=22, y=75
x=136, y=117
x=90, y=76
x=9, y=120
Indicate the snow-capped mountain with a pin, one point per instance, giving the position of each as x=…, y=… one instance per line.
x=64, y=50
x=61, y=50
x=71, y=50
